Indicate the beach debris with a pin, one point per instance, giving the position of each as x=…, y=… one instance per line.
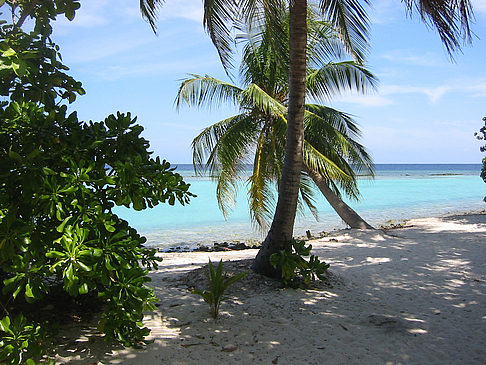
x=391, y=224
x=344, y=328
x=381, y=320
x=229, y=348
x=216, y=247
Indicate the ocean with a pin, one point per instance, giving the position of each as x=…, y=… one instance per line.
x=398, y=192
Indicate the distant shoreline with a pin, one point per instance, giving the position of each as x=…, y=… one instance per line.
x=238, y=245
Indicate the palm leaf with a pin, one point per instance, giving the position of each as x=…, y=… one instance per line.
x=335, y=78
x=307, y=196
x=351, y=21
x=450, y=17
x=207, y=91
x=255, y=97
x=331, y=133
x=261, y=190
x=150, y=10
x=222, y=150
x=219, y=18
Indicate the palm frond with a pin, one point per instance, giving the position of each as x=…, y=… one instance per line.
x=150, y=11
x=332, y=134
x=351, y=21
x=261, y=192
x=205, y=90
x=319, y=162
x=307, y=191
x=219, y=18
x=335, y=78
x=451, y=18
x=260, y=64
x=321, y=116
x=222, y=150
x=255, y=97
x=323, y=41
x=268, y=20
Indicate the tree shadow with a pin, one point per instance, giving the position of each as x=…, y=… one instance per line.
x=417, y=298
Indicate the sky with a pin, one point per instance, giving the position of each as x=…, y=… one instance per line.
x=425, y=110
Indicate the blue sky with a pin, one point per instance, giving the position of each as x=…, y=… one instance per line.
x=426, y=109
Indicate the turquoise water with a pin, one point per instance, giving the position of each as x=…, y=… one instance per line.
x=398, y=192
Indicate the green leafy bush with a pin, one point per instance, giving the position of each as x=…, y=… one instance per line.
x=21, y=342
x=60, y=179
x=218, y=283
x=295, y=268
x=481, y=135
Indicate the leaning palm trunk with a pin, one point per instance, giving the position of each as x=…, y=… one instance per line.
x=347, y=214
x=281, y=230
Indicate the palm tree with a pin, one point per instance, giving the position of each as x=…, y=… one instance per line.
x=330, y=149
x=450, y=17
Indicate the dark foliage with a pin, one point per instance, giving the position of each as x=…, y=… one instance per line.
x=59, y=181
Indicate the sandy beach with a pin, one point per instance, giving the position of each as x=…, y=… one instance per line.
x=413, y=295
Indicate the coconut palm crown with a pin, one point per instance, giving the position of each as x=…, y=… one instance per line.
x=256, y=135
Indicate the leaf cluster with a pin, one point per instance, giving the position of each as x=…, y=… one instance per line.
x=20, y=342
x=218, y=283
x=481, y=135
x=60, y=179
x=295, y=268
x=31, y=69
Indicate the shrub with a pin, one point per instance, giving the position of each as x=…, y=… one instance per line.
x=60, y=179
x=21, y=342
x=295, y=268
x=481, y=135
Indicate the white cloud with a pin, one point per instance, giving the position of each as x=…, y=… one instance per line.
x=385, y=11
x=477, y=88
x=374, y=100
x=176, y=69
x=409, y=57
x=92, y=49
x=91, y=14
x=433, y=93
x=468, y=88
x=186, y=9
x=479, y=6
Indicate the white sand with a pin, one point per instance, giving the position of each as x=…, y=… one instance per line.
x=409, y=296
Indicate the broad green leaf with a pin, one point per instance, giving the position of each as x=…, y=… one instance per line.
x=48, y=171
x=28, y=291
x=83, y=289
x=69, y=272
x=55, y=254
x=109, y=227
x=17, y=291
x=60, y=228
x=5, y=324
x=83, y=266
x=9, y=52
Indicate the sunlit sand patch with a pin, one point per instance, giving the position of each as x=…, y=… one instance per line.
x=377, y=260
x=425, y=289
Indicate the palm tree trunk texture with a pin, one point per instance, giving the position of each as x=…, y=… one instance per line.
x=281, y=230
x=347, y=214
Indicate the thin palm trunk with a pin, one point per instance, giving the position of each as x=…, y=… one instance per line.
x=281, y=230
x=347, y=214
